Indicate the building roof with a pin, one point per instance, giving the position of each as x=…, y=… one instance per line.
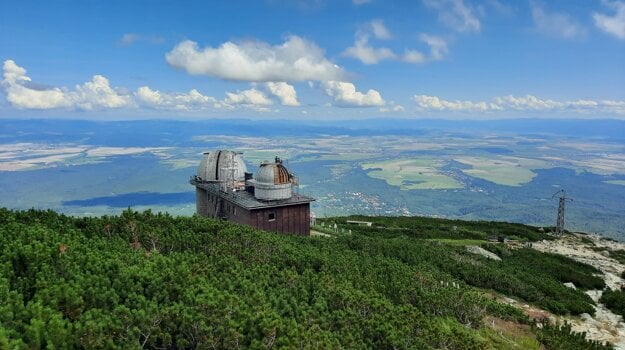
x=273, y=173
x=219, y=165
x=247, y=200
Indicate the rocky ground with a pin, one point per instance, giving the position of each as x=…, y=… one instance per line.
x=593, y=250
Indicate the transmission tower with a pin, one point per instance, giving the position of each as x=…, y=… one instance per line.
x=562, y=198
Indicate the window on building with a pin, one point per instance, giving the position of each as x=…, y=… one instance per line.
x=272, y=216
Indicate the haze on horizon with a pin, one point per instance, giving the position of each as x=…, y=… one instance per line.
x=456, y=59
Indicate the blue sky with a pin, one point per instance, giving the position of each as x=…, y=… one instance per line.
x=467, y=59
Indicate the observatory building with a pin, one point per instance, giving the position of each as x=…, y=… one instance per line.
x=224, y=189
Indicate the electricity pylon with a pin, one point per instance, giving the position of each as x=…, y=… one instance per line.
x=562, y=198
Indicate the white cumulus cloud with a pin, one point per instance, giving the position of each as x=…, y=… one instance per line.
x=414, y=56
x=283, y=91
x=556, y=24
x=438, y=46
x=437, y=50
x=615, y=24
x=98, y=93
x=345, y=94
x=379, y=30
x=363, y=51
x=251, y=97
x=438, y=104
x=455, y=14
x=392, y=107
x=296, y=59
x=520, y=103
x=19, y=95
x=13, y=74
x=367, y=54
x=94, y=94
x=528, y=102
x=193, y=100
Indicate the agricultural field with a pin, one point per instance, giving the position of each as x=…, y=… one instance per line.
x=503, y=170
x=412, y=174
x=353, y=156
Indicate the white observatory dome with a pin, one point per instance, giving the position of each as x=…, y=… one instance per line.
x=214, y=166
x=273, y=181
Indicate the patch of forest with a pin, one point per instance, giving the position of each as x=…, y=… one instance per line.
x=145, y=280
x=528, y=274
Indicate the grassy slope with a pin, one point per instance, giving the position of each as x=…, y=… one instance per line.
x=141, y=279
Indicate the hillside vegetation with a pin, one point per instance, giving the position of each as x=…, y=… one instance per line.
x=144, y=280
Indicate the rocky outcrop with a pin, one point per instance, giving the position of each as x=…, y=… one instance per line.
x=604, y=325
x=483, y=252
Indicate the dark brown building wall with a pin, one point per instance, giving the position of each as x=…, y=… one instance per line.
x=293, y=219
